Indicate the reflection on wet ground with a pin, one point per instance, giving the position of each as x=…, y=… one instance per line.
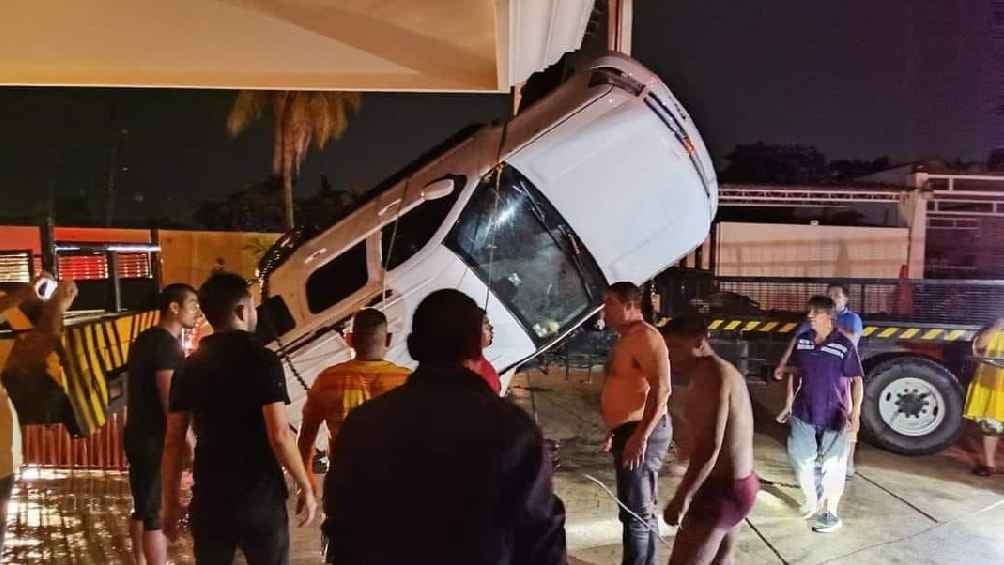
x=73, y=517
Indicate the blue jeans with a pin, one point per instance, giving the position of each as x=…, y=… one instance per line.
x=638, y=490
x=810, y=446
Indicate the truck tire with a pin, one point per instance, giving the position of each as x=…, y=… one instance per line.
x=912, y=406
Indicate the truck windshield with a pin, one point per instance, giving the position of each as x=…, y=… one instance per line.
x=521, y=247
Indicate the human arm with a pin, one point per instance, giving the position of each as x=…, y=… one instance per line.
x=852, y=369
x=310, y=425
x=857, y=397
x=982, y=341
x=283, y=444
x=171, y=463
x=51, y=319
x=785, y=357
x=853, y=328
x=709, y=436
x=791, y=387
x=653, y=360
x=163, y=378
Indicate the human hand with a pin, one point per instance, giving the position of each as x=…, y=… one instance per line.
x=306, y=507
x=634, y=451
x=65, y=294
x=853, y=420
x=784, y=415
x=608, y=444
x=779, y=373
x=676, y=510
x=171, y=520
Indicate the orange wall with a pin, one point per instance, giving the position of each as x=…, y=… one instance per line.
x=191, y=256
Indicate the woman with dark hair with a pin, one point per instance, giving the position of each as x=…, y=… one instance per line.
x=482, y=366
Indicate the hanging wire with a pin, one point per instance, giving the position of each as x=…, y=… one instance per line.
x=393, y=241
x=498, y=168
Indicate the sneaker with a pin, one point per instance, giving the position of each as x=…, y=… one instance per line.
x=851, y=471
x=827, y=522
x=808, y=509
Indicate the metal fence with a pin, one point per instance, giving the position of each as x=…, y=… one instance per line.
x=971, y=303
x=52, y=446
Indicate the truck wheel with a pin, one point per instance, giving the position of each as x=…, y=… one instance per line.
x=912, y=406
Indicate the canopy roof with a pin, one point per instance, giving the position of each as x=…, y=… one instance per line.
x=401, y=45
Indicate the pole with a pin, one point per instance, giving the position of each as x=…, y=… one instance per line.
x=50, y=262
x=621, y=15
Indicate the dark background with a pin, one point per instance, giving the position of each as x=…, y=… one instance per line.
x=856, y=79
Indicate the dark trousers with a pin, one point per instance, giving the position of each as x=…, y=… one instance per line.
x=261, y=530
x=6, y=488
x=638, y=490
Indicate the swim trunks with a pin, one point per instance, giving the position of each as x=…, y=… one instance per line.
x=724, y=503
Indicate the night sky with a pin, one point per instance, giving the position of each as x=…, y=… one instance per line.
x=858, y=79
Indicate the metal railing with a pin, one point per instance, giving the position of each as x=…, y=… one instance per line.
x=52, y=446
x=933, y=301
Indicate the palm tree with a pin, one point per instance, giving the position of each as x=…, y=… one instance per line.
x=298, y=118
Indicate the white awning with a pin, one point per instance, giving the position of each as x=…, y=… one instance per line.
x=400, y=45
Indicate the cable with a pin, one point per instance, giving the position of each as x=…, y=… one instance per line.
x=626, y=509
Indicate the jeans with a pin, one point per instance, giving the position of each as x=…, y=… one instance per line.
x=810, y=445
x=638, y=490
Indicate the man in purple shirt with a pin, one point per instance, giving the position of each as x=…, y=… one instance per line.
x=823, y=406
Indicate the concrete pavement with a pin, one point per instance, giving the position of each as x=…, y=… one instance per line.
x=910, y=510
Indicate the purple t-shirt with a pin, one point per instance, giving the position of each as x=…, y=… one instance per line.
x=826, y=369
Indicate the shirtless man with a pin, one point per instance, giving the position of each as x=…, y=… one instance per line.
x=634, y=405
x=720, y=487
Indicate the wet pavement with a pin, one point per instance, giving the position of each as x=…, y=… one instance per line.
x=897, y=510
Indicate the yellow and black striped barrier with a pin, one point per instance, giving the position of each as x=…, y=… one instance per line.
x=891, y=333
x=92, y=352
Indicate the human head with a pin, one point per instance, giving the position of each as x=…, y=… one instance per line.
x=446, y=329
x=369, y=336
x=227, y=303
x=838, y=294
x=621, y=305
x=687, y=340
x=179, y=302
x=487, y=331
x=821, y=312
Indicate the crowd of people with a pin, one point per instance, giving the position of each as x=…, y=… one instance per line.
x=412, y=452
x=433, y=465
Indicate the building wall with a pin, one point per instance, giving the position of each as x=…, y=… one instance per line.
x=191, y=256
x=790, y=250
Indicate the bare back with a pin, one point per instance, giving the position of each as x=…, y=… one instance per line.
x=626, y=387
x=735, y=460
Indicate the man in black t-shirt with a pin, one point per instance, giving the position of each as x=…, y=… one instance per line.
x=233, y=392
x=153, y=358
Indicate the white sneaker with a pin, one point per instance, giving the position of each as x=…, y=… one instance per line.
x=827, y=522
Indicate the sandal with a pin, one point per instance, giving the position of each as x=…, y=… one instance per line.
x=984, y=471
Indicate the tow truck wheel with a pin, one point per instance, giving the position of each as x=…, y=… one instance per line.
x=912, y=406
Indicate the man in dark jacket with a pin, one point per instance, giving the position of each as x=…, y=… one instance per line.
x=441, y=470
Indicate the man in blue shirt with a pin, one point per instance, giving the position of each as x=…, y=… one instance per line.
x=823, y=405
x=850, y=324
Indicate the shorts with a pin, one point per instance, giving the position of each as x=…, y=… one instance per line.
x=260, y=528
x=144, y=483
x=723, y=502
